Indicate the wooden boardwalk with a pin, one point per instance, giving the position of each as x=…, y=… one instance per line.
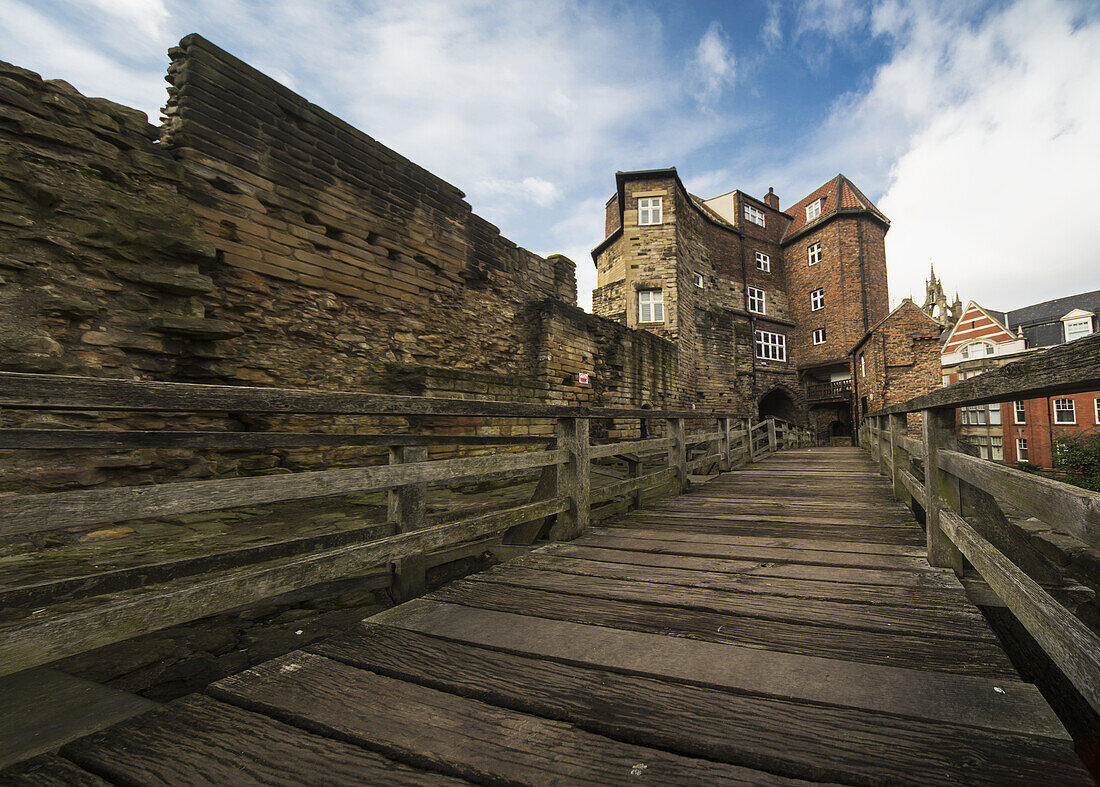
x=778, y=625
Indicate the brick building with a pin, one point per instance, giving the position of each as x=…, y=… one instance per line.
x=897, y=359
x=1026, y=430
x=764, y=305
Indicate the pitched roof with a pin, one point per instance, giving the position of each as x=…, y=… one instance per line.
x=905, y=304
x=1053, y=311
x=839, y=195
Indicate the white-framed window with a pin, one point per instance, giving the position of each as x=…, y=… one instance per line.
x=651, y=306
x=1021, y=449
x=817, y=299
x=699, y=280
x=982, y=442
x=813, y=254
x=813, y=210
x=771, y=346
x=1063, y=412
x=819, y=336
x=1076, y=329
x=946, y=380
x=995, y=414
x=972, y=373
x=997, y=448
x=981, y=415
x=754, y=214
x=1097, y=403
x=763, y=261
x=977, y=350
x=649, y=210
x=1020, y=412
x=756, y=301
x=862, y=365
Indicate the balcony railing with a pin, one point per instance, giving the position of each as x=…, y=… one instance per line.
x=839, y=390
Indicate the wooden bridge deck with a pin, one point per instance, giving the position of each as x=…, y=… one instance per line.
x=778, y=625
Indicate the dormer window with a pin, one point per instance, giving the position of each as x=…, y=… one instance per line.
x=977, y=350
x=649, y=210
x=1077, y=324
x=755, y=215
x=813, y=210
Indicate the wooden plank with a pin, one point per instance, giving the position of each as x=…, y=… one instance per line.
x=49, y=770
x=619, y=488
x=30, y=513
x=648, y=445
x=958, y=657
x=962, y=623
x=942, y=488
x=41, y=709
x=460, y=737
x=1068, y=368
x=737, y=582
x=915, y=487
x=803, y=740
x=861, y=576
x=35, y=642
x=959, y=699
x=857, y=559
x=60, y=392
x=1072, y=646
x=39, y=439
x=1063, y=507
x=838, y=545
x=204, y=741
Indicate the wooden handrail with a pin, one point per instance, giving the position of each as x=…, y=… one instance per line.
x=562, y=505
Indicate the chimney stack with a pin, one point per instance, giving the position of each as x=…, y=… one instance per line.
x=771, y=199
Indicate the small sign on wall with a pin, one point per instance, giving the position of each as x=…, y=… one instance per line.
x=582, y=378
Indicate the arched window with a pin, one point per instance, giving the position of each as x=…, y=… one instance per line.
x=977, y=350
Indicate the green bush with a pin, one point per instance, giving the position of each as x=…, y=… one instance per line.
x=1079, y=457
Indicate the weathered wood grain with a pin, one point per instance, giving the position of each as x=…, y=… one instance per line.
x=36, y=642
x=608, y=491
x=959, y=699
x=199, y=740
x=30, y=513
x=684, y=536
x=49, y=770
x=1072, y=646
x=461, y=737
x=787, y=737
x=648, y=445
x=903, y=649
x=1067, y=508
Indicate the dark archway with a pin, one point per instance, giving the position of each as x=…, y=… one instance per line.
x=777, y=403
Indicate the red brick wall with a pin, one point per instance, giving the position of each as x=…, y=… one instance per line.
x=1040, y=427
x=902, y=360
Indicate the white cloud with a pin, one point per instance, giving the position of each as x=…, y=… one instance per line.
x=528, y=190
x=714, y=65
x=144, y=19
x=771, y=34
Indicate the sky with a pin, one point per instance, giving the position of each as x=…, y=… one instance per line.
x=975, y=126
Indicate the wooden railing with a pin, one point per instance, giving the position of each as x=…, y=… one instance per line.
x=959, y=495
x=823, y=392
x=120, y=604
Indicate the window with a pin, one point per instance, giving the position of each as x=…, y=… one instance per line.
x=813, y=210
x=699, y=280
x=862, y=365
x=651, y=306
x=817, y=299
x=1021, y=449
x=755, y=215
x=819, y=336
x=649, y=210
x=977, y=350
x=756, y=300
x=771, y=346
x=983, y=446
x=1075, y=329
x=997, y=448
x=946, y=380
x=814, y=253
x=763, y=261
x=1021, y=413
x=995, y=414
x=1097, y=403
x=982, y=415
x=1063, y=412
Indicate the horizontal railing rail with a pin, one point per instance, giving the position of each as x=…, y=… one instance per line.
x=960, y=496
x=122, y=602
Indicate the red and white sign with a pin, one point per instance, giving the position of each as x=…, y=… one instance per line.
x=582, y=378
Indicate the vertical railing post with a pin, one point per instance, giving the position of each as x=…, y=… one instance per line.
x=574, y=479
x=898, y=429
x=883, y=443
x=677, y=452
x=634, y=470
x=407, y=505
x=724, y=462
x=942, y=488
x=750, y=440
x=772, y=440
